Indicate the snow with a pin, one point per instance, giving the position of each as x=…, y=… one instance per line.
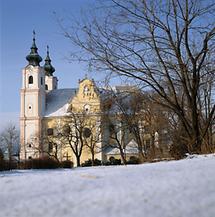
x=168, y=189
x=57, y=101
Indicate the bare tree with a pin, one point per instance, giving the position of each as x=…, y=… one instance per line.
x=139, y=118
x=167, y=46
x=92, y=138
x=72, y=134
x=51, y=145
x=205, y=102
x=121, y=110
x=117, y=135
x=158, y=121
x=9, y=139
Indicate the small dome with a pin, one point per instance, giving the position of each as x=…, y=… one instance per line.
x=49, y=69
x=34, y=58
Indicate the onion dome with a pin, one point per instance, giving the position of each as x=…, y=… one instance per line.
x=49, y=69
x=34, y=58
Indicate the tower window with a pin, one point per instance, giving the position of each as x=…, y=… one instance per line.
x=41, y=81
x=30, y=79
x=46, y=87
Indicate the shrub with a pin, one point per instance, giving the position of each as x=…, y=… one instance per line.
x=1, y=155
x=133, y=160
x=27, y=164
x=97, y=162
x=2, y=165
x=88, y=163
x=45, y=163
x=106, y=163
x=7, y=165
x=66, y=164
x=2, y=162
x=23, y=165
x=114, y=161
x=178, y=151
x=40, y=163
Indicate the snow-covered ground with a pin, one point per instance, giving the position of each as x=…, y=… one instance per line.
x=176, y=188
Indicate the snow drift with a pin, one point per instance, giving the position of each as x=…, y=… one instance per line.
x=167, y=189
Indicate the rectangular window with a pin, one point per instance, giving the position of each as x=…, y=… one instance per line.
x=41, y=79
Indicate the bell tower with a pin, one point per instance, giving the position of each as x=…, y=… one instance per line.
x=32, y=105
x=50, y=80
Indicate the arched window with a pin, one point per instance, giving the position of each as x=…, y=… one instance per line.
x=46, y=87
x=30, y=79
x=49, y=131
x=87, y=132
x=86, y=90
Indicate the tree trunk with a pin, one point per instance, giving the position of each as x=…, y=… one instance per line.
x=10, y=155
x=93, y=157
x=196, y=146
x=122, y=154
x=78, y=160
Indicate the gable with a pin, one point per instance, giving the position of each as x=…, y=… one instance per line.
x=87, y=98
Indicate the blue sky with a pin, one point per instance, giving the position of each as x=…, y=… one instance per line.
x=17, y=21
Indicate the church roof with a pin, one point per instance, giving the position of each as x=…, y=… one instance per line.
x=57, y=101
x=131, y=148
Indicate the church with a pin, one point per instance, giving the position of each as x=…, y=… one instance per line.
x=74, y=124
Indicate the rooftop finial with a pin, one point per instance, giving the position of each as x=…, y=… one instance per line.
x=47, y=49
x=34, y=34
x=34, y=44
x=47, y=57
